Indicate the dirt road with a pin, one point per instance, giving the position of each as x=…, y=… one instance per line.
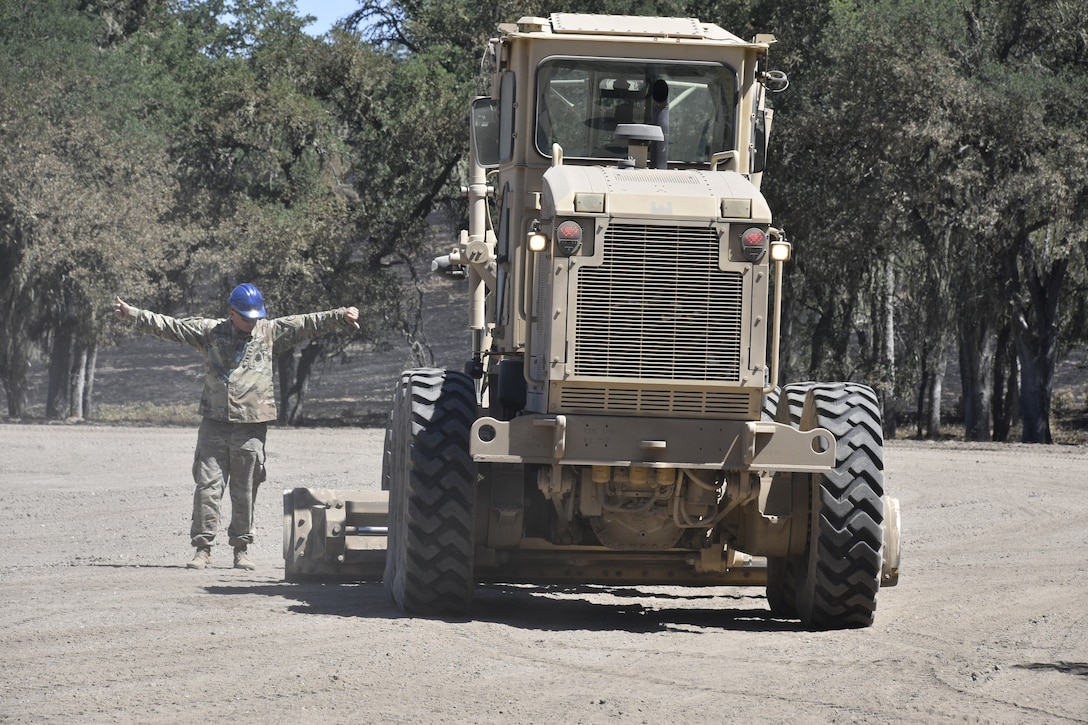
x=100, y=621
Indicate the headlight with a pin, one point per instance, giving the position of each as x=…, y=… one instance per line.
x=780, y=251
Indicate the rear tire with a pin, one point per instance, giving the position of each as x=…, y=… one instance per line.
x=431, y=479
x=838, y=577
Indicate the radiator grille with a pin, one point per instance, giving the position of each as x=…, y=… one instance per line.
x=620, y=400
x=659, y=307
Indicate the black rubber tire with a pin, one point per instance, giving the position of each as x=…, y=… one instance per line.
x=794, y=394
x=839, y=576
x=430, y=549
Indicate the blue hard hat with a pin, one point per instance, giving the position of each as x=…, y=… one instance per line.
x=246, y=300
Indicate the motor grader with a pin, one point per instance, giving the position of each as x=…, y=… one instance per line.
x=619, y=419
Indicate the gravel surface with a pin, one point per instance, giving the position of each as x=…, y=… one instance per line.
x=101, y=622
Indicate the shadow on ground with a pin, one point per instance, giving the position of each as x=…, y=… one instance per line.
x=1066, y=668
x=549, y=608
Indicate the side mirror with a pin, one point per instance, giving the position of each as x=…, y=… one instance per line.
x=485, y=132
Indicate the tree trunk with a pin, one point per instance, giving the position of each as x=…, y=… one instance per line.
x=285, y=371
x=60, y=371
x=15, y=383
x=295, y=382
x=88, y=390
x=1034, y=401
x=786, y=366
x=920, y=401
x=891, y=427
x=822, y=333
x=78, y=379
x=976, y=367
x=936, y=394
x=831, y=338
x=1036, y=344
x=1006, y=387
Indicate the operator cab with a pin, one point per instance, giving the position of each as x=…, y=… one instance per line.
x=580, y=102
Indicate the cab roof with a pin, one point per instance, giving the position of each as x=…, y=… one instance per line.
x=630, y=26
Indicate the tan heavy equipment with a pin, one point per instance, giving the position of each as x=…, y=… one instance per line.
x=619, y=420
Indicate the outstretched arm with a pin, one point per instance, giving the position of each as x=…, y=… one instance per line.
x=190, y=331
x=293, y=329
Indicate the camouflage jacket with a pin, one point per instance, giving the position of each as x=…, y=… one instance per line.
x=238, y=366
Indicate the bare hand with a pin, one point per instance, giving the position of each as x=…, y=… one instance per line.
x=351, y=317
x=120, y=309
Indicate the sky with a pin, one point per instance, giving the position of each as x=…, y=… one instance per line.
x=327, y=12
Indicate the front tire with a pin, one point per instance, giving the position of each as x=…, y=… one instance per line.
x=838, y=577
x=431, y=479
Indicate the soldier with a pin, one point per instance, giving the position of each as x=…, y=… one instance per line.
x=237, y=403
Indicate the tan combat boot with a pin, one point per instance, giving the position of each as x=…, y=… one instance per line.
x=240, y=559
x=202, y=559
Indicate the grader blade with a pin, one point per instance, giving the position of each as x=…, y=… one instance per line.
x=334, y=535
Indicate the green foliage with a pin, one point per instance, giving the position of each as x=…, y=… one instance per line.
x=947, y=138
x=84, y=181
x=167, y=151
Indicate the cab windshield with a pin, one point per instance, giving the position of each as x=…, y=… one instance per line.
x=580, y=102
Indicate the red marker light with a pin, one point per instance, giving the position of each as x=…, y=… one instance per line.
x=568, y=236
x=754, y=237
x=569, y=231
x=753, y=243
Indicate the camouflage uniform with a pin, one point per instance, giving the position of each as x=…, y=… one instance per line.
x=237, y=404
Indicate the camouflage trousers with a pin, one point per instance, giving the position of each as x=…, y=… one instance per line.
x=228, y=456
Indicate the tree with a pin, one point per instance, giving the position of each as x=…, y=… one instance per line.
x=1032, y=57
x=84, y=177
x=937, y=171
x=932, y=153
x=311, y=164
